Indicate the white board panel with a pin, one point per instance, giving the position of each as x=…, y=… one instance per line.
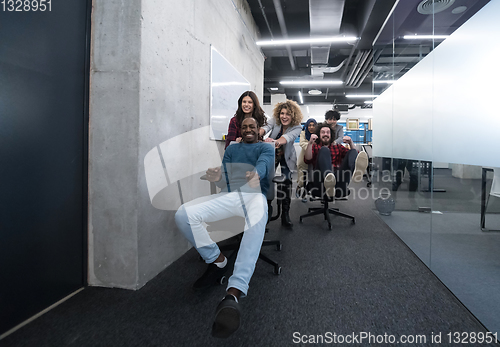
x=226, y=86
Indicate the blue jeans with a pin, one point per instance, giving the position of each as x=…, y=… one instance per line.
x=342, y=174
x=190, y=220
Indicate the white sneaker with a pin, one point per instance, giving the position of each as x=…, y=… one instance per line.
x=360, y=167
x=330, y=182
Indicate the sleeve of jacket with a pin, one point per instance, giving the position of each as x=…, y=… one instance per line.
x=232, y=131
x=303, y=141
x=271, y=122
x=339, y=135
x=292, y=134
x=265, y=162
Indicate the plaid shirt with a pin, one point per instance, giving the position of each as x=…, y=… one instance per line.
x=338, y=153
x=233, y=131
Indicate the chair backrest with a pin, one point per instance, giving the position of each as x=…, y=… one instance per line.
x=172, y=169
x=368, y=150
x=495, y=184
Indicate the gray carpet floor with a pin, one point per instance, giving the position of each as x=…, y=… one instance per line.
x=353, y=279
x=464, y=258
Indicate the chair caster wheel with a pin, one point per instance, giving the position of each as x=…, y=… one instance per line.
x=277, y=270
x=368, y=185
x=222, y=280
x=300, y=220
x=329, y=226
x=279, y=247
x=353, y=221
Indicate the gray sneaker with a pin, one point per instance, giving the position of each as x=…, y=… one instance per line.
x=330, y=182
x=360, y=167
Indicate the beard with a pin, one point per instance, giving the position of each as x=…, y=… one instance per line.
x=325, y=141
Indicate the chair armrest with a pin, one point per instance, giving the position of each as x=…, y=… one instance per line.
x=204, y=177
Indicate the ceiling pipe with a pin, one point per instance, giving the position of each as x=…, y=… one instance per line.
x=284, y=32
x=347, y=63
x=360, y=66
x=265, y=18
x=375, y=58
x=353, y=68
x=365, y=66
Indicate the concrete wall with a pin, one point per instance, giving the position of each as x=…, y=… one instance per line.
x=150, y=82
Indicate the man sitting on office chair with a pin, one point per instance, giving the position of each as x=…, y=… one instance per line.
x=243, y=178
x=334, y=163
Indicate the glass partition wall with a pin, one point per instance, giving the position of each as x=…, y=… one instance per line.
x=435, y=133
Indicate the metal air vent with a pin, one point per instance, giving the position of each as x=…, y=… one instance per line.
x=433, y=6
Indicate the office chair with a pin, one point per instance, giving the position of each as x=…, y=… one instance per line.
x=171, y=180
x=234, y=246
x=325, y=209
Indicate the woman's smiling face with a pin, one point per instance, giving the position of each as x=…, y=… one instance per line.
x=247, y=105
x=285, y=117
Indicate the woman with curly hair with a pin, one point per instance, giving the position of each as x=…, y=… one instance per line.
x=285, y=128
x=248, y=106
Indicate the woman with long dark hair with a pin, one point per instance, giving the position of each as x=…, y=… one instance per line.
x=248, y=106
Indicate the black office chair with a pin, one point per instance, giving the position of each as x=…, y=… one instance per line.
x=317, y=194
x=234, y=242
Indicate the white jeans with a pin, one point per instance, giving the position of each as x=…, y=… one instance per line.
x=190, y=219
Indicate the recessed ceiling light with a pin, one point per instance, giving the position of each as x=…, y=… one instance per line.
x=273, y=88
x=433, y=6
x=314, y=92
x=459, y=9
x=307, y=41
x=300, y=97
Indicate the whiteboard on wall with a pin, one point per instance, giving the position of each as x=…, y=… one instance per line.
x=226, y=86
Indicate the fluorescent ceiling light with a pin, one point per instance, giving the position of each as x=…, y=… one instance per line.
x=309, y=82
x=307, y=109
x=425, y=37
x=360, y=96
x=300, y=97
x=274, y=88
x=368, y=102
x=307, y=41
x=383, y=81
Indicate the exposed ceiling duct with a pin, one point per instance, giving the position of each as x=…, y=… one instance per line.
x=325, y=18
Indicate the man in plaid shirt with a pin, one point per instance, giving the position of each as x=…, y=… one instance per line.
x=334, y=163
